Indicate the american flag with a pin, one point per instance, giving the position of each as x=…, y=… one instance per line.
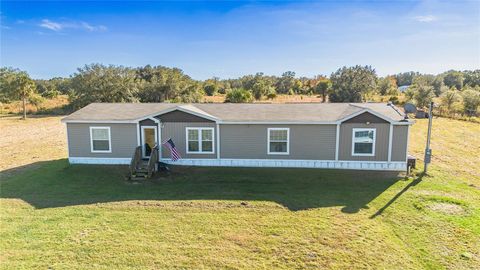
x=173, y=150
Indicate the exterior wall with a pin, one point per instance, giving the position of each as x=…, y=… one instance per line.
x=179, y=116
x=366, y=117
x=123, y=136
x=177, y=131
x=399, y=143
x=381, y=145
x=307, y=142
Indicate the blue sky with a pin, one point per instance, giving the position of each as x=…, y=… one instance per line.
x=230, y=39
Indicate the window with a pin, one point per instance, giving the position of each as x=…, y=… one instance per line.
x=363, y=142
x=100, y=141
x=200, y=141
x=278, y=141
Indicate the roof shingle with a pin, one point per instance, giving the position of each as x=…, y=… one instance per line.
x=235, y=112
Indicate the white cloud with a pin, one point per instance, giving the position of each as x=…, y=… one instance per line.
x=59, y=26
x=51, y=25
x=92, y=28
x=425, y=18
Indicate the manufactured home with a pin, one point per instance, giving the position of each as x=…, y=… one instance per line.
x=362, y=136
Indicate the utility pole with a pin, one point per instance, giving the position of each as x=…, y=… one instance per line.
x=428, y=151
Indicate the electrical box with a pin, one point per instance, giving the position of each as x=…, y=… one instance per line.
x=428, y=155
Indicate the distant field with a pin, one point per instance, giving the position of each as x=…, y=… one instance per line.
x=278, y=99
x=57, y=216
x=46, y=105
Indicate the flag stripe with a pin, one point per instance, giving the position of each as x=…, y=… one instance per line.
x=175, y=155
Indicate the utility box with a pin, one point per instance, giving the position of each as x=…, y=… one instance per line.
x=428, y=155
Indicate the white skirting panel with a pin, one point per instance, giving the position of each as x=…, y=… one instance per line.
x=326, y=164
x=271, y=163
x=92, y=160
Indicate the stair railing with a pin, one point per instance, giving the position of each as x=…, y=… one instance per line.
x=152, y=161
x=137, y=155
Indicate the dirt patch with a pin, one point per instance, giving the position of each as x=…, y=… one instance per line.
x=25, y=142
x=446, y=208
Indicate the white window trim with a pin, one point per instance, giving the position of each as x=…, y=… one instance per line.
x=200, y=151
x=143, y=138
x=109, y=140
x=288, y=142
x=373, y=146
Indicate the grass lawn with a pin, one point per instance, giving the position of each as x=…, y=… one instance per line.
x=58, y=216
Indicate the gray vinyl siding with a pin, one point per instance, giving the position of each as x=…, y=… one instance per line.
x=399, y=143
x=179, y=116
x=307, y=142
x=366, y=117
x=123, y=136
x=381, y=145
x=177, y=131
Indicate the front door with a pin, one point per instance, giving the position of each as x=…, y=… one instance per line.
x=149, y=140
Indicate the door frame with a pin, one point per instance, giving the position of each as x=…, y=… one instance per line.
x=143, y=137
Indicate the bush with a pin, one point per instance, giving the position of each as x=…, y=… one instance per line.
x=210, y=89
x=471, y=101
x=393, y=99
x=239, y=95
x=448, y=99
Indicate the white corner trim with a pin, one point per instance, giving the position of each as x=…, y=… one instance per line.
x=200, y=130
x=408, y=140
x=138, y=134
x=337, y=141
x=285, y=163
x=160, y=142
x=288, y=141
x=374, y=142
x=390, y=138
x=218, y=141
x=109, y=140
x=95, y=160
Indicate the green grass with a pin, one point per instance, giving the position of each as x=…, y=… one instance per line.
x=88, y=217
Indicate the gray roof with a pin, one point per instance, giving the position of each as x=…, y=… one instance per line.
x=235, y=112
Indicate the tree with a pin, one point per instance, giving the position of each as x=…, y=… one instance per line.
x=438, y=85
x=352, y=84
x=472, y=78
x=99, y=83
x=261, y=88
x=159, y=83
x=47, y=88
x=448, y=98
x=286, y=83
x=239, y=95
x=406, y=78
x=387, y=86
x=17, y=85
x=471, y=101
x=323, y=88
x=453, y=78
x=423, y=93
x=7, y=75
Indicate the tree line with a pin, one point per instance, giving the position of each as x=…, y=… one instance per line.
x=459, y=91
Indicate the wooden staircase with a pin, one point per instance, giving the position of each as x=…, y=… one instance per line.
x=142, y=169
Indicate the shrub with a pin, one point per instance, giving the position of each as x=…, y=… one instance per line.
x=471, y=101
x=239, y=95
